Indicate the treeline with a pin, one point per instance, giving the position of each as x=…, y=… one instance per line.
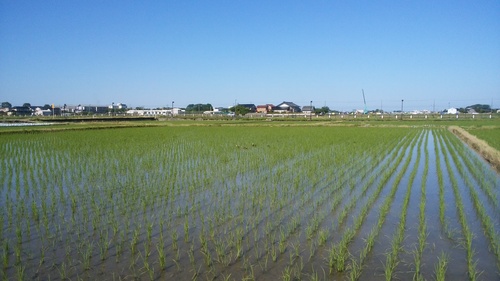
x=199, y=107
x=479, y=108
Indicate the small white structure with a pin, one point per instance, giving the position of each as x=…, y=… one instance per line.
x=452, y=111
x=154, y=112
x=42, y=112
x=117, y=106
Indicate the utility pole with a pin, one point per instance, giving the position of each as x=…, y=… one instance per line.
x=402, y=109
x=172, y=109
x=311, y=108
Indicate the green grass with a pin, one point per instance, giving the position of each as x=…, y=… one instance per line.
x=489, y=134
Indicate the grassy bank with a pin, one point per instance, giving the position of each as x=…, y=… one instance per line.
x=488, y=152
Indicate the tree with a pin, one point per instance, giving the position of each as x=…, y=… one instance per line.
x=323, y=110
x=199, y=107
x=240, y=110
x=46, y=106
x=6, y=104
x=480, y=108
x=26, y=104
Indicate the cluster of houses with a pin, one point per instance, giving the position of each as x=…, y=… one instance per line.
x=284, y=107
x=50, y=110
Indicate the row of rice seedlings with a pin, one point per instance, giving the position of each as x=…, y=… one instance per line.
x=422, y=228
x=323, y=235
x=339, y=254
x=475, y=169
x=91, y=208
x=486, y=177
x=392, y=257
x=309, y=228
x=466, y=231
x=312, y=244
x=488, y=225
x=356, y=267
x=313, y=227
x=442, y=204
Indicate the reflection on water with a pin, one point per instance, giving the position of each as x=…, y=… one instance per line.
x=23, y=124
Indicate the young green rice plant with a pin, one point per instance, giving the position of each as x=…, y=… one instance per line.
x=87, y=255
x=149, y=232
x=389, y=266
x=177, y=265
x=191, y=255
x=104, y=247
x=63, y=271
x=174, y=237
x=148, y=268
x=323, y=236
x=5, y=254
x=355, y=269
x=20, y=272
x=417, y=260
x=312, y=250
x=17, y=253
x=220, y=251
x=286, y=275
x=340, y=256
x=239, y=248
x=133, y=243
x=274, y=253
x=186, y=229
x=441, y=267
x=207, y=257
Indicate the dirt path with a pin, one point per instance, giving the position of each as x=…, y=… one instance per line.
x=489, y=153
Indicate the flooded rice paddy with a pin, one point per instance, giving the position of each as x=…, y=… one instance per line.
x=247, y=203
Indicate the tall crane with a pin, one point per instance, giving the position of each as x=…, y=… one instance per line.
x=364, y=100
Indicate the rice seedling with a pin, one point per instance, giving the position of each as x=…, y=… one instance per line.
x=441, y=267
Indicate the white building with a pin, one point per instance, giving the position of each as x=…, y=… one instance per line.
x=452, y=111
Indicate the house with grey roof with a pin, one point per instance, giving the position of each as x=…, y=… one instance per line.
x=287, y=107
x=308, y=109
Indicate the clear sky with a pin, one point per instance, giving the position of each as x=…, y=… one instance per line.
x=150, y=53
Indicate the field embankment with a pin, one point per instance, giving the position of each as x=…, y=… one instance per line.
x=489, y=153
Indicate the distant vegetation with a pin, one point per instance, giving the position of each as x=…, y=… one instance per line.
x=479, y=108
x=199, y=107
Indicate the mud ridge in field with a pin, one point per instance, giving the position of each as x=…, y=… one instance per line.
x=489, y=153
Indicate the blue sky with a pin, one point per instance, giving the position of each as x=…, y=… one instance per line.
x=150, y=53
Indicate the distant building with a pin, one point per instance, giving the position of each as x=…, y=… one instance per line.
x=118, y=106
x=88, y=109
x=452, y=111
x=154, y=112
x=42, y=112
x=265, y=108
x=21, y=111
x=308, y=109
x=287, y=107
